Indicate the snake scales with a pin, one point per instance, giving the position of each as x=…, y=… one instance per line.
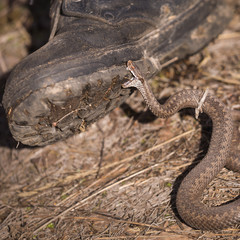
x=223, y=143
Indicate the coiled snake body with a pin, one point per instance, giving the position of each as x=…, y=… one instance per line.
x=188, y=200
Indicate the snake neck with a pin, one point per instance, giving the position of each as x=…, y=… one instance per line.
x=152, y=103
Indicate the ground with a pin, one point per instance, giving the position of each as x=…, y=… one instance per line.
x=116, y=180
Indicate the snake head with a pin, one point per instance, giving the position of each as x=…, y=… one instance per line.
x=137, y=79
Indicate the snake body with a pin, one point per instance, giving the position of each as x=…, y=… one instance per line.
x=188, y=199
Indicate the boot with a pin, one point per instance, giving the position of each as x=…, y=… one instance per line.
x=76, y=78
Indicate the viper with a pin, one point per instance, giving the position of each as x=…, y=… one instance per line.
x=222, y=152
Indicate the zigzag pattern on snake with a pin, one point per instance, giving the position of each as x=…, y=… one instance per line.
x=221, y=153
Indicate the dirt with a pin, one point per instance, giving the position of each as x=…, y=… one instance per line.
x=118, y=179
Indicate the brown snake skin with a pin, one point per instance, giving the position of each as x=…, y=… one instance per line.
x=224, y=138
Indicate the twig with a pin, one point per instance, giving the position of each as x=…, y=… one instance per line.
x=86, y=173
x=158, y=146
x=101, y=152
x=200, y=104
x=229, y=35
x=54, y=124
x=3, y=64
x=218, y=78
x=169, y=62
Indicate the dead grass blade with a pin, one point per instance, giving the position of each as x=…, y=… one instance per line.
x=76, y=176
x=218, y=78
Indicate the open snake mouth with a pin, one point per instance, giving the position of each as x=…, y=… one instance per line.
x=128, y=83
x=136, y=75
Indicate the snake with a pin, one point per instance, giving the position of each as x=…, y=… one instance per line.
x=222, y=152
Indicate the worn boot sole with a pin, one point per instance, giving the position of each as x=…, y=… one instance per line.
x=54, y=100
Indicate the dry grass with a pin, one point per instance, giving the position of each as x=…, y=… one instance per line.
x=107, y=183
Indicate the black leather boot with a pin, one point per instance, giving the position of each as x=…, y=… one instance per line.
x=76, y=77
